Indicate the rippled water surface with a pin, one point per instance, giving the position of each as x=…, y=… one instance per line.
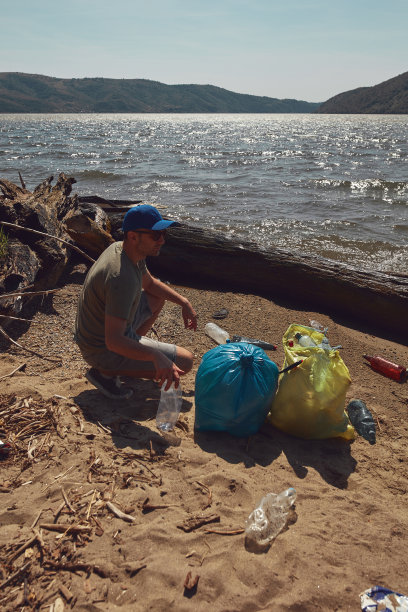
x=334, y=185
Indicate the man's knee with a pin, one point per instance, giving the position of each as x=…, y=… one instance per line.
x=184, y=359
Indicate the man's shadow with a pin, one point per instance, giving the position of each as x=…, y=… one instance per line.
x=126, y=420
x=331, y=458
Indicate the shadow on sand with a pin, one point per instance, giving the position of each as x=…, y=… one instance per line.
x=124, y=419
x=330, y=458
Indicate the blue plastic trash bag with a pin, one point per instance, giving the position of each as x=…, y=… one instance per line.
x=234, y=387
x=380, y=598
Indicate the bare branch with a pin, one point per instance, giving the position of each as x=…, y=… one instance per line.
x=20, y=367
x=27, y=349
x=21, y=181
x=12, y=295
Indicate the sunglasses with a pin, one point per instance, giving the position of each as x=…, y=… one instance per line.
x=154, y=234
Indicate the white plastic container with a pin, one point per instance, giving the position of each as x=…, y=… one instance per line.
x=268, y=519
x=304, y=340
x=216, y=333
x=169, y=408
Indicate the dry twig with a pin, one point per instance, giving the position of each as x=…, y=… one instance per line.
x=45, y=292
x=20, y=367
x=22, y=548
x=78, y=567
x=146, y=507
x=66, y=500
x=194, y=522
x=228, y=532
x=15, y=575
x=208, y=491
x=65, y=528
x=119, y=514
x=27, y=349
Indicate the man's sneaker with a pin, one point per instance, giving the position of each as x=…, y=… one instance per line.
x=110, y=387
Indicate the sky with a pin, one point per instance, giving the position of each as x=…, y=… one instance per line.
x=303, y=49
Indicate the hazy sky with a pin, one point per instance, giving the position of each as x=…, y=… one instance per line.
x=304, y=49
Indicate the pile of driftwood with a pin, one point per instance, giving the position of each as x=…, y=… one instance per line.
x=63, y=223
x=41, y=230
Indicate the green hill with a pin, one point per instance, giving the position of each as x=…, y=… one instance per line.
x=389, y=97
x=32, y=93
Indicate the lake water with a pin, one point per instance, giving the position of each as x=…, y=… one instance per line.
x=333, y=185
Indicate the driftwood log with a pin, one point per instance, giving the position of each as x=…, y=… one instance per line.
x=376, y=301
x=36, y=255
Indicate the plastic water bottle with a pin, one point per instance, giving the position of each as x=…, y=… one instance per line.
x=362, y=420
x=304, y=340
x=268, y=519
x=216, y=333
x=169, y=408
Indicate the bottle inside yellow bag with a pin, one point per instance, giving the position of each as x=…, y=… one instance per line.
x=311, y=398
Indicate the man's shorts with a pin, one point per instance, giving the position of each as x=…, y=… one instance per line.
x=108, y=361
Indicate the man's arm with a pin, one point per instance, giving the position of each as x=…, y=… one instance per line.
x=116, y=341
x=156, y=287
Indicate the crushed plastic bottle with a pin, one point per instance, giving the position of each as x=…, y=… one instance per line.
x=268, y=519
x=169, y=408
x=216, y=333
x=362, y=420
x=318, y=326
x=306, y=341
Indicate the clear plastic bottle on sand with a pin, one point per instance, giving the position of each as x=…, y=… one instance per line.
x=268, y=518
x=169, y=408
x=216, y=333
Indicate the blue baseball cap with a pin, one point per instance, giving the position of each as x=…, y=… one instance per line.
x=145, y=217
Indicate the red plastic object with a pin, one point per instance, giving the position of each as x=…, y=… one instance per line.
x=392, y=370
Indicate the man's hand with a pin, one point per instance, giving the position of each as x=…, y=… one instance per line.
x=189, y=316
x=166, y=370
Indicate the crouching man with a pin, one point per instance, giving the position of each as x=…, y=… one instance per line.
x=119, y=303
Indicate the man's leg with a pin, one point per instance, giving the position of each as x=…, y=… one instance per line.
x=183, y=359
x=106, y=378
x=155, y=304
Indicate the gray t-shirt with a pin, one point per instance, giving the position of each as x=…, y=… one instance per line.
x=113, y=286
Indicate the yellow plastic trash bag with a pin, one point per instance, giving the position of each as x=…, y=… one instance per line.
x=310, y=399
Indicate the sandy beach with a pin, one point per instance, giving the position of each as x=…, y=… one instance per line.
x=79, y=456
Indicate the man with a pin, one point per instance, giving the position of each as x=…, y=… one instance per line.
x=119, y=303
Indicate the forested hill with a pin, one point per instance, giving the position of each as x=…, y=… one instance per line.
x=32, y=93
x=389, y=97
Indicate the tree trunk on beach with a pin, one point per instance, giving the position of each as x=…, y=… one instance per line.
x=197, y=256
x=194, y=256
x=34, y=249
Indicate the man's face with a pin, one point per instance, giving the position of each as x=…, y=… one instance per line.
x=149, y=242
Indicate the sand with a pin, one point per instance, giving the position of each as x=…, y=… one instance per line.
x=85, y=452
